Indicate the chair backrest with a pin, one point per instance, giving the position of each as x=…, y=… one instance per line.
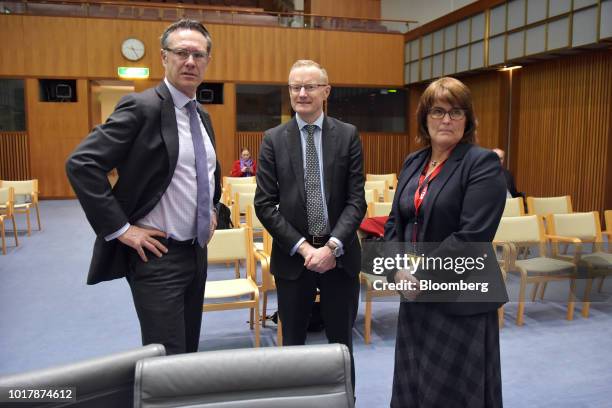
x=529, y=228
x=514, y=207
x=608, y=218
x=371, y=195
x=379, y=209
x=579, y=225
x=251, y=218
x=227, y=181
x=229, y=245
x=242, y=188
x=7, y=200
x=390, y=196
x=379, y=185
x=549, y=205
x=268, y=377
x=23, y=187
x=391, y=178
x=242, y=200
x=100, y=382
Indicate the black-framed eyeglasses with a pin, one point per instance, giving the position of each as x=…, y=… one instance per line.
x=454, y=114
x=296, y=88
x=184, y=54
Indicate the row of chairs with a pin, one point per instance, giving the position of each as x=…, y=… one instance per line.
x=538, y=205
x=17, y=197
x=551, y=264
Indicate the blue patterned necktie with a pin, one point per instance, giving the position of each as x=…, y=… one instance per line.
x=203, y=196
x=314, y=196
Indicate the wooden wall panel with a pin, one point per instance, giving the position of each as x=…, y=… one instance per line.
x=55, y=129
x=344, y=8
x=55, y=46
x=563, y=129
x=223, y=118
x=14, y=156
x=51, y=47
x=12, y=52
x=382, y=152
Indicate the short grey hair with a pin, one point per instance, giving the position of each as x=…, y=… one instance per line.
x=186, y=24
x=311, y=63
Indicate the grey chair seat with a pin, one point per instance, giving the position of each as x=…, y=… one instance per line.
x=544, y=266
x=598, y=259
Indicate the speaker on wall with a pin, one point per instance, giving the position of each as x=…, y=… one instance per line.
x=57, y=90
x=210, y=93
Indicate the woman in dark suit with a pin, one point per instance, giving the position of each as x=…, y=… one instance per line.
x=450, y=194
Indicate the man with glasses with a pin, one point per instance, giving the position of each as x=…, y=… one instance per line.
x=153, y=226
x=310, y=198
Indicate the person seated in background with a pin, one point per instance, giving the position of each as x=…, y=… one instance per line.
x=245, y=166
x=511, y=191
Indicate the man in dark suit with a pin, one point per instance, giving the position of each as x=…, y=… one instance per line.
x=510, y=186
x=153, y=226
x=310, y=198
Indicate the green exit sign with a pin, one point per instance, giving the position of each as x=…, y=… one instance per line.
x=133, y=72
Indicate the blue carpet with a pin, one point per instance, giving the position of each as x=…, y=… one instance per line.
x=50, y=316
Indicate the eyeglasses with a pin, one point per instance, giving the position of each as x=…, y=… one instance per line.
x=307, y=87
x=454, y=114
x=184, y=54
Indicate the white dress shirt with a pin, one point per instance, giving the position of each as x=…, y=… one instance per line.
x=175, y=213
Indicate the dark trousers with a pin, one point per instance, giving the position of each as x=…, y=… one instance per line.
x=339, y=297
x=168, y=295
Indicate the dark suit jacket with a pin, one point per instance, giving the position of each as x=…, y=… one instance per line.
x=280, y=181
x=463, y=205
x=140, y=139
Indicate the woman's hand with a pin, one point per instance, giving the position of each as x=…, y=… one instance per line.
x=410, y=282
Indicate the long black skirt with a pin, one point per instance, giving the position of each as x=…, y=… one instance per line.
x=446, y=361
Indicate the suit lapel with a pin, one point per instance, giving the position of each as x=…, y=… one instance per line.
x=169, y=130
x=415, y=166
x=328, y=144
x=294, y=147
x=438, y=183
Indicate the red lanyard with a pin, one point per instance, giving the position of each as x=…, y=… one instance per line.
x=421, y=191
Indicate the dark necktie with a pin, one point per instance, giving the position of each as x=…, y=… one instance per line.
x=203, y=196
x=314, y=197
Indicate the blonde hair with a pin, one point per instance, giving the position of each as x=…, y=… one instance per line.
x=311, y=63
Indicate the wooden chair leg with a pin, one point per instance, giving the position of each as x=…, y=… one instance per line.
x=15, y=230
x=279, y=333
x=500, y=316
x=264, y=308
x=586, y=303
x=600, y=287
x=3, y=237
x=521, y=305
x=368, y=317
x=543, y=290
x=534, y=291
x=571, y=300
x=38, y=217
x=27, y=213
x=257, y=328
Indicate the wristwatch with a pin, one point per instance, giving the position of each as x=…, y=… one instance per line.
x=335, y=249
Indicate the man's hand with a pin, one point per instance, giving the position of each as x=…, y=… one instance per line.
x=320, y=260
x=412, y=284
x=213, y=225
x=141, y=238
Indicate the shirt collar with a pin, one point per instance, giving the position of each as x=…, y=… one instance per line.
x=301, y=123
x=179, y=98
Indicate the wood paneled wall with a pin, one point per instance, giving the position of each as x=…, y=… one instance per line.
x=563, y=130
x=223, y=118
x=38, y=46
x=14, y=156
x=382, y=152
x=55, y=129
x=344, y=8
